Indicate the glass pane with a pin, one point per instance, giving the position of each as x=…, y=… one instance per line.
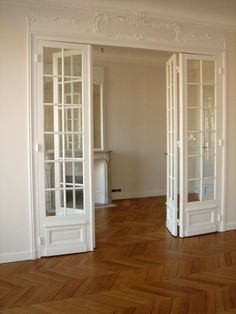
x=52, y=90
x=194, y=143
x=208, y=96
x=193, y=96
x=97, y=116
x=194, y=120
x=53, y=175
x=194, y=191
x=208, y=189
x=193, y=71
x=73, y=92
x=209, y=143
x=67, y=64
x=73, y=140
x=208, y=71
x=77, y=65
x=69, y=198
x=52, y=119
x=208, y=166
x=50, y=203
x=73, y=119
x=50, y=55
x=79, y=199
x=194, y=167
x=209, y=119
x=49, y=143
x=78, y=166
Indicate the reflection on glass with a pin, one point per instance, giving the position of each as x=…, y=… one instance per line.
x=73, y=93
x=193, y=71
x=194, y=167
x=194, y=143
x=194, y=119
x=53, y=174
x=48, y=55
x=208, y=96
x=97, y=116
x=73, y=146
x=67, y=65
x=193, y=96
x=52, y=90
x=79, y=199
x=50, y=203
x=209, y=119
x=194, y=191
x=209, y=143
x=208, y=189
x=69, y=199
x=208, y=71
x=208, y=166
x=77, y=65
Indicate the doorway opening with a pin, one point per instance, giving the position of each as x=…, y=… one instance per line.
x=131, y=82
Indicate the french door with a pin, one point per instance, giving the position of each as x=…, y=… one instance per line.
x=193, y=144
x=64, y=140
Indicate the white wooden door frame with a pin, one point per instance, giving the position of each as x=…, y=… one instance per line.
x=33, y=36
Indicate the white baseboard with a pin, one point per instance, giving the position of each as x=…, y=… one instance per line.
x=127, y=195
x=15, y=257
x=230, y=226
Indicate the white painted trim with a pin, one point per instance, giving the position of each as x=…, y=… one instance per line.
x=127, y=195
x=230, y=226
x=16, y=256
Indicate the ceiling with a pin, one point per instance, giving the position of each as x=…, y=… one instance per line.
x=216, y=12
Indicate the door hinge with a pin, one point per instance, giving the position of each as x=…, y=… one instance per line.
x=178, y=222
x=178, y=144
x=40, y=240
x=221, y=70
x=178, y=69
x=221, y=142
x=219, y=218
x=37, y=57
x=38, y=148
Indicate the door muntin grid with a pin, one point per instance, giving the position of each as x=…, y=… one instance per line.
x=63, y=131
x=201, y=129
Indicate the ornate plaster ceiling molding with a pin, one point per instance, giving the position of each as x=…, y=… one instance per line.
x=118, y=27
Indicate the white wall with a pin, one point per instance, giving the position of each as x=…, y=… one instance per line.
x=135, y=128
x=14, y=185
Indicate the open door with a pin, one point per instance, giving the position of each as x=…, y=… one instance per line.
x=64, y=148
x=172, y=148
x=199, y=162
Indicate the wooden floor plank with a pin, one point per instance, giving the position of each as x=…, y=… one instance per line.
x=137, y=267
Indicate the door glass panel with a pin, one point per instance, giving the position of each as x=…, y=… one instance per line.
x=208, y=189
x=208, y=166
x=209, y=143
x=194, y=96
x=77, y=65
x=194, y=116
x=193, y=71
x=79, y=199
x=50, y=203
x=65, y=124
x=208, y=71
x=194, y=143
x=48, y=54
x=194, y=191
x=209, y=119
x=194, y=167
x=208, y=96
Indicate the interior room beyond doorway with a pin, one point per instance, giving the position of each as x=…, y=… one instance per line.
x=134, y=115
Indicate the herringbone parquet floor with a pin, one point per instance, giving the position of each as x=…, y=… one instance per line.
x=137, y=267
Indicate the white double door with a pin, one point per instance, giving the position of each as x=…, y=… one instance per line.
x=193, y=144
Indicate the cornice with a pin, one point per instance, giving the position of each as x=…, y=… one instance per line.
x=71, y=4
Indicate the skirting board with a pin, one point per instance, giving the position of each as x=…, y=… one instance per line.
x=16, y=256
x=230, y=226
x=127, y=195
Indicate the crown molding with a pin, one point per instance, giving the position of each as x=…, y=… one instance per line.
x=73, y=4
